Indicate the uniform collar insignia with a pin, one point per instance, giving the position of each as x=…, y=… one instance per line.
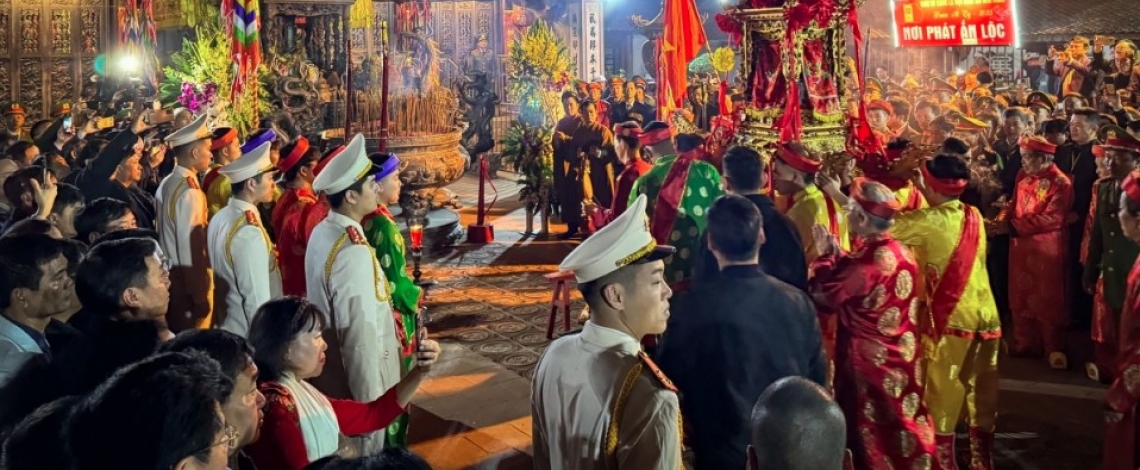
x=656, y=371
x=251, y=218
x=355, y=235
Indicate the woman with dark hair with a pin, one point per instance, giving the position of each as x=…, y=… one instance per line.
x=383, y=234
x=301, y=424
x=627, y=145
x=298, y=166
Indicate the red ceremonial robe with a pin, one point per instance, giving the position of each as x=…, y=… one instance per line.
x=292, y=239
x=1037, y=254
x=878, y=379
x=625, y=182
x=281, y=445
x=1104, y=325
x=1121, y=439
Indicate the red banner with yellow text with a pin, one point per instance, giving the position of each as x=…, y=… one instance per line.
x=950, y=23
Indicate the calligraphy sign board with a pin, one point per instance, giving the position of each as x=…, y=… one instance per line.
x=591, y=63
x=954, y=23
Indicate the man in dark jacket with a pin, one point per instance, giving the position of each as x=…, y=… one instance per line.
x=782, y=255
x=730, y=339
x=116, y=171
x=1079, y=164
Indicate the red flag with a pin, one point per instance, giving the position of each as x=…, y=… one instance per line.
x=682, y=40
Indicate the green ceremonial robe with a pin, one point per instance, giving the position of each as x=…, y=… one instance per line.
x=701, y=188
x=384, y=235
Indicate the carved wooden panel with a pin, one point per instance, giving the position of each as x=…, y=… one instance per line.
x=5, y=29
x=485, y=20
x=381, y=12
x=60, y=31
x=89, y=32
x=29, y=30
x=32, y=87
x=5, y=79
x=464, y=26
x=62, y=75
x=47, y=50
x=443, y=15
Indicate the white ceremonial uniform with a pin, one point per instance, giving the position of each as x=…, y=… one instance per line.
x=244, y=260
x=575, y=387
x=245, y=267
x=182, y=234
x=597, y=401
x=182, y=223
x=344, y=280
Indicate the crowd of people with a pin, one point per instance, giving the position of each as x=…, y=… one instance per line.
x=887, y=278
x=177, y=296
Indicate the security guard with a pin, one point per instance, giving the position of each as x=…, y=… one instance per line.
x=182, y=229
x=245, y=265
x=625, y=412
x=345, y=281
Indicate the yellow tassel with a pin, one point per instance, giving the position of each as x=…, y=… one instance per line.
x=360, y=16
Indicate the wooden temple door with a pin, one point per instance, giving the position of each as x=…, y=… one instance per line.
x=48, y=49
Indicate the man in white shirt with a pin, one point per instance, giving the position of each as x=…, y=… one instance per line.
x=598, y=401
x=245, y=266
x=345, y=281
x=182, y=229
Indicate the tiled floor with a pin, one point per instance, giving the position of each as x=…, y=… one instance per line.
x=490, y=313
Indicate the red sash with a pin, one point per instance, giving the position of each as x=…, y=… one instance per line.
x=669, y=198
x=914, y=201
x=210, y=177
x=952, y=284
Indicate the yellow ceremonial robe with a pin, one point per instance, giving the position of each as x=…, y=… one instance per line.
x=809, y=207
x=961, y=361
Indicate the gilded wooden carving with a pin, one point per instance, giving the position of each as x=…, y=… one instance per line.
x=30, y=31
x=5, y=79
x=32, y=87
x=60, y=31
x=90, y=31
x=62, y=75
x=5, y=27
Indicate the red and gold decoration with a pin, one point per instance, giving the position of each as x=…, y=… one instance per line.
x=954, y=23
x=786, y=46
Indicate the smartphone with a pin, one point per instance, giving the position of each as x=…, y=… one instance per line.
x=67, y=124
x=105, y=123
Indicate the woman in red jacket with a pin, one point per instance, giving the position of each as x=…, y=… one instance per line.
x=302, y=424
